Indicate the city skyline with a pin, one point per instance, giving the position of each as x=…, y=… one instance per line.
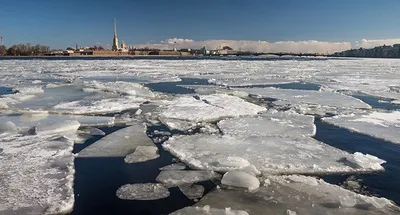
x=254, y=25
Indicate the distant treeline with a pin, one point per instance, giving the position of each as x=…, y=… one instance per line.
x=377, y=52
x=24, y=50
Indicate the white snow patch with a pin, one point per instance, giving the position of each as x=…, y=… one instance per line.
x=365, y=161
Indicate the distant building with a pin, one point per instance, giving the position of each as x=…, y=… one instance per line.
x=115, y=39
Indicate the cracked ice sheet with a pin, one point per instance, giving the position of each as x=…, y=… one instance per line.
x=99, y=106
x=28, y=120
x=208, y=108
x=302, y=194
x=120, y=143
x=272, y=155
x=36, y=175
x=324, y=98
x=273, y=123
x=133, y=89
x=383, y=125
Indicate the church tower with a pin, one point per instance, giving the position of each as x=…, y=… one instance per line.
x=115, y=40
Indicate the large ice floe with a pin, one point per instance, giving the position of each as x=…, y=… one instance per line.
x=208, y=108
x=273, y=123
x=272, y=155
x=36, y=174
x=172, y=178
x=383, y=125
x=120, y=143
x=295, y=194
x=323, y=98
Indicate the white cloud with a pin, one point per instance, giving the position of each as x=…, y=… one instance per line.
x=364, y=43
x=308, y=46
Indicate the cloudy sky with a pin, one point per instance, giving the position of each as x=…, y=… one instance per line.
x=256, y=25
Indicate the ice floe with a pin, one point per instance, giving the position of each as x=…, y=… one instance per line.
x=300, y=195
x=207, y=210
x=142, y=154
x=209, y=108
x=120, y=143
x=193, y=191
x=307, y=97
x=383, y=125
x=129, y=88
x=147, y=191
x=174, y=166
x=99, y=106
x=57, y=127
x=272, y=155
x=240, y=179
x=271, y=124
x=36, y=175
x=173, y=178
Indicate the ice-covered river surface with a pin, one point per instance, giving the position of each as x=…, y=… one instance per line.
x=199, y=136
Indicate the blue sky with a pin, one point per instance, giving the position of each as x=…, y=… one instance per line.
x=60, y=23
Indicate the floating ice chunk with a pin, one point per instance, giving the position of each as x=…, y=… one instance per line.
x=269, y=155
x=119, y=143
x=100, y=106
x=174, y=166
x=240, y=179
x=57, y=127
x=36, y=175
x=303, y=180
x=376, y=124
x=365, y=161
x=28, y=120
x=147, y=191
x=285, y=193
x=270, y=124
x=290, y=212
x=246, y=81
x=193, y=191
x=206, y=210
x=308, y=97
x=7, y=127
x=172, y=178
x=133, y=89
x=142, y=154
x=209, y=108
x=176, y=124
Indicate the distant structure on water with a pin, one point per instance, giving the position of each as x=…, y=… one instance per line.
x=115, y=39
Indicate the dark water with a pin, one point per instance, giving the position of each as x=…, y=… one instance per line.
x=376, y=102
x=385, y=184
x=5, y=90
x=171, y=87
x=98, y=179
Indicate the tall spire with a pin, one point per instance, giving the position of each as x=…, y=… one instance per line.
x=115, y=27
x=115, y=39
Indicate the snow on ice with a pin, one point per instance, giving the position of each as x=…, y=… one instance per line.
x=173, y=178
x=272, y=155
x=36, y=175
x=208, y=108
x=383, y=125
x=147, y=191
x=273, y=123
x=240, y=179
x=299, y=194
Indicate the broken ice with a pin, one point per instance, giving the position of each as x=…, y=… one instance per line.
x=146, y=191
x=172, y=178
x=384, y=125
x=142, y=154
